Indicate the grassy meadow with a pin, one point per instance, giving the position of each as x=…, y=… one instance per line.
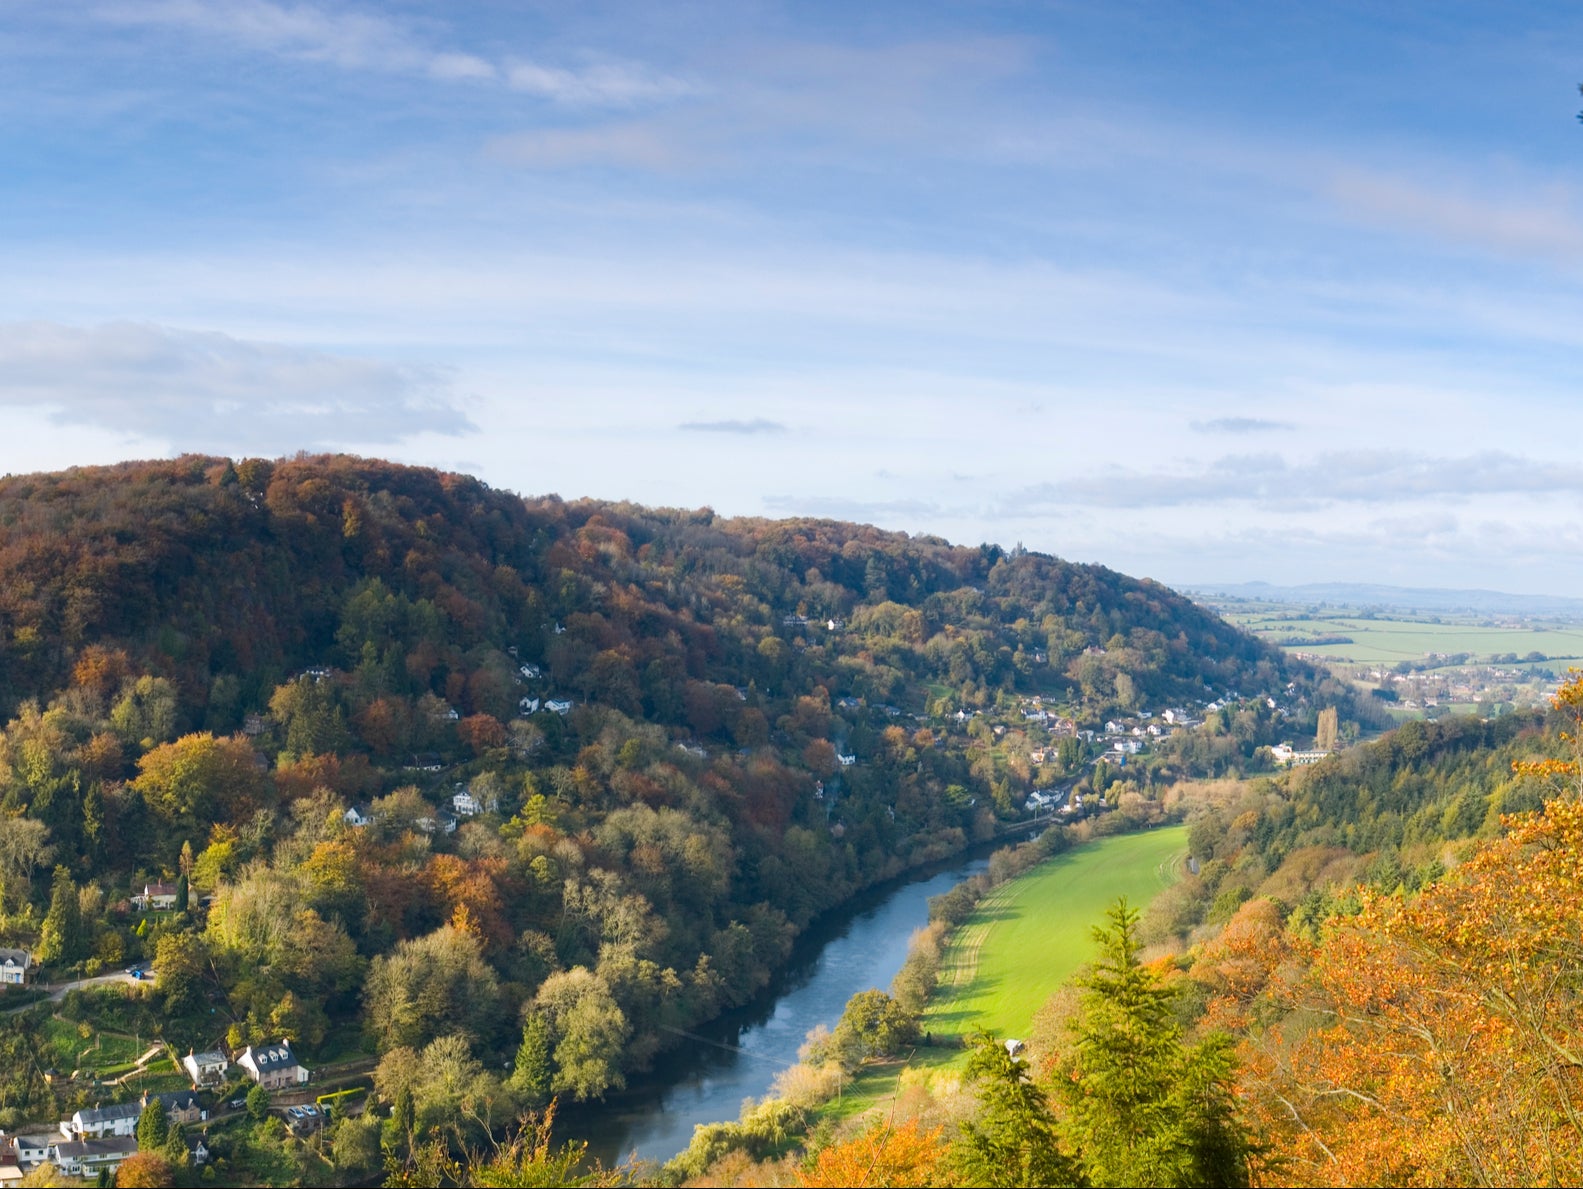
x=1024, y=941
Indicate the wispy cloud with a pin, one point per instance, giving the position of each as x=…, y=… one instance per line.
x=1544, y=230
x=354, y=39
x=1240, y=425
x=202, y=390
x=603, y=84
x=757, y=426
x=1352, y=477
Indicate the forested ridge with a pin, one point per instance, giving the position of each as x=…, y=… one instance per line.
x=274, y=684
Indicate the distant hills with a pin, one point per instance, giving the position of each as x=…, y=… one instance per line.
x=1403, y=598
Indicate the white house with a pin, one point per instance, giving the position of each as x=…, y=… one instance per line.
x=357, y=818
x=558, y=705
x=155, y=897
x=206, y=1069
x=95, y=1122
x=14, y=966
x=528, y=706
x=847, y=760
x=469, y=804
x=85, y=1158
x=272, y=1066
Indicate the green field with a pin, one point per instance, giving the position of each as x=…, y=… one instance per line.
x=1026, y=939
x=1033, y=933
x=1379, y=641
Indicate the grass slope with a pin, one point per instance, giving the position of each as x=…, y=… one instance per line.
x=1033, y=933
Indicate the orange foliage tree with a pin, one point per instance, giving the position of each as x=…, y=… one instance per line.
x=883, y=1155
x=1444, y=1033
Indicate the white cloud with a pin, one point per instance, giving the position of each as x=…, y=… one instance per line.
x=1545, y=230
x=640, y=144
x=605, y=84
x=345, y=38
x=202, y=390
x=1351, y=477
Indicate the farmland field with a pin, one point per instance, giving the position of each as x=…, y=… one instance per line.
x=1381, y=641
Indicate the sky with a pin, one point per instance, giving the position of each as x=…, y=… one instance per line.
x=1205, y=293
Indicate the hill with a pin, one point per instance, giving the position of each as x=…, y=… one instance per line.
x=207, y=664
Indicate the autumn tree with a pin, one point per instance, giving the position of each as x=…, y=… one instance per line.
x=145, y=1170
x=904, y=1155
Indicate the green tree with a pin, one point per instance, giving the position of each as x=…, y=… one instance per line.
x=61, y=936
x=534, y=1071
x=1140, y=1107
x=181, y=960
x=1013, y=1141
x=589, y=1028
x=183, y=893
x=151, y=1126
x=258, y=1102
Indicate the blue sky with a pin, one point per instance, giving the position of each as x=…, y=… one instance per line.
x=1203, y=292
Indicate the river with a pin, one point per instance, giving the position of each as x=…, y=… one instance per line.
x=737, y=1056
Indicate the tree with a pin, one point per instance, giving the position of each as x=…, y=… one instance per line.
x=589, y=1028
x=151, y=1126
x=1328, y=729
x=1013, y=1141
x=181, y=960
x=183, y=892
x=145, y=1170
x=190, y=782
x=534, y=1071
x=883, y=1155
x=61, y=936
x=429, y=986
x=258, y=1102
x=1139, y=1106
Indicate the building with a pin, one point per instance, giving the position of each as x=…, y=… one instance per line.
x=181, y=1106
x=205, y=1069
x=86, y=1158
x=100, y=1121
x=357, y=817
x=14, y=965
x=155, y=897
x=273, y=1066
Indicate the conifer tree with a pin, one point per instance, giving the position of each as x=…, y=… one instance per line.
x=151, y=1126
x=1142, y=1108
x=61, y=933
x=534, y=1072
x=1014, y=1139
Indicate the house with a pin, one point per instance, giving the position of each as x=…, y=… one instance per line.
x=693, y=749
x=425, y=762
x=834, y=625
x=181, y=1106
x=452, y=714
x=848, y=703
x=273, y=1066
x=198, y=1151
x=87, y=1158
x=847, y=760
x=528, y=706
x=155, y=897
x=14, y=966
x=34, y=1148
x=469, y=804
x=558, y=705
x=531, y=672
x=357, y=817
x=205, y=1069
x=99, y=1121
